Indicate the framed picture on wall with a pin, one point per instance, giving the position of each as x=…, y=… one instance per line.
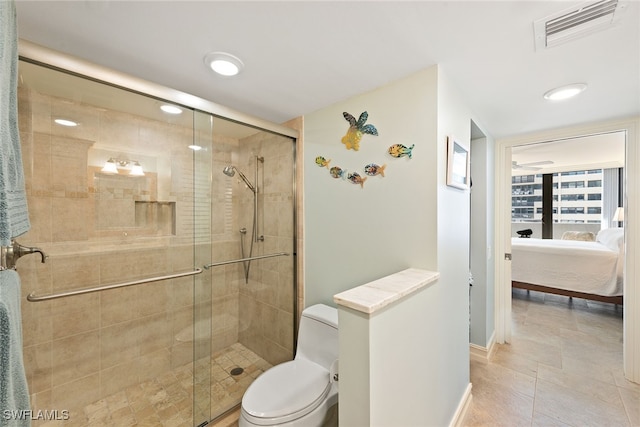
x=457, y=165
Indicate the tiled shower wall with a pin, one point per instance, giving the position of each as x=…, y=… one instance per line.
x=259, y=314
x=82, y=348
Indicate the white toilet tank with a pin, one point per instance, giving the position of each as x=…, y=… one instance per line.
x=318, y=335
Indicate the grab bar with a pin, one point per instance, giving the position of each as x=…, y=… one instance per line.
x=37, y=298
x=234, y=261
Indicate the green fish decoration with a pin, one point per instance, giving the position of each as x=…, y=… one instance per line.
x=399, y=150
x=322, y=162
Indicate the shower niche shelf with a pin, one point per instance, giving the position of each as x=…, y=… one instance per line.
x=156, y=217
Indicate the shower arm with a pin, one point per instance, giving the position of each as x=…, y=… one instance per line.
x=246, y=181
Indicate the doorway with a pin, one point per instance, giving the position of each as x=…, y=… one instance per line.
x=503, y=231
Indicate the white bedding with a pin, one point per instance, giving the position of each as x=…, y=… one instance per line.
x=589, y=267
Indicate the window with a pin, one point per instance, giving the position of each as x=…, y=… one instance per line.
x=577, y=197
x=573, y=184
x=522, y=213
x=568, y=211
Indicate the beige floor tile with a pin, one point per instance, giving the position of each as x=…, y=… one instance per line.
x=167, y=401
x=575, y=408
x=563, y=368
x=631, y=401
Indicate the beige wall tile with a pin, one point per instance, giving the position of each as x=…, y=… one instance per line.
x=70, y=316
x=37, y=362
x=75, y=357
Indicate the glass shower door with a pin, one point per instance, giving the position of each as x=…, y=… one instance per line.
x=253, y=301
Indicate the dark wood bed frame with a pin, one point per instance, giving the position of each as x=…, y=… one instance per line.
x=592, y=297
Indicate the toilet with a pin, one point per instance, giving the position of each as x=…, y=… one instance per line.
x=301, y=392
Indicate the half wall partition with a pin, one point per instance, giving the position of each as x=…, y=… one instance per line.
x=131, y=193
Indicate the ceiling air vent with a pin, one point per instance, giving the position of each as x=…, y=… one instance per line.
x=576, y=22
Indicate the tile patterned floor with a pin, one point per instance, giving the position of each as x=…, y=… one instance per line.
x=563, y=368
x=168, y=401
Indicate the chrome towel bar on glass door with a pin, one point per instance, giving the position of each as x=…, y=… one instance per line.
x=233, y=261
x=36, y=298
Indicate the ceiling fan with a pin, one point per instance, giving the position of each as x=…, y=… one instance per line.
x=530, y=166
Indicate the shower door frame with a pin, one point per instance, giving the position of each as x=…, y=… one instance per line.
x=46, y=57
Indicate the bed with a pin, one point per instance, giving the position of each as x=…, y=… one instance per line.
x=575, y=268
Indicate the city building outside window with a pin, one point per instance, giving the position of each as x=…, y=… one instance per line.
x=577, y=197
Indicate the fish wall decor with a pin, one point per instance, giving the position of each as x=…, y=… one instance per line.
x=337, y=172
x=355, y=178
x=322, y=162
x=372, y=169
x=399, y=150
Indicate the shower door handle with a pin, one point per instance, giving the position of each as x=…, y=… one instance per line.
x=10, y=254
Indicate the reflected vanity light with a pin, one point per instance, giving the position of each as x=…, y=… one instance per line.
x=171, y=109
x=195, y=147
x=65, y=122
x=111, y=166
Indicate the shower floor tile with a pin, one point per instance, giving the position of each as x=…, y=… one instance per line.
x=168, y=401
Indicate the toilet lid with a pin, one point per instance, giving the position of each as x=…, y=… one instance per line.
x=290, y=390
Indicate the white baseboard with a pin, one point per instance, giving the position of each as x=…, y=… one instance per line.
x=483, y=353
x=463, y=407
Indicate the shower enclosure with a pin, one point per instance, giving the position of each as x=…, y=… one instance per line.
x=153, y=306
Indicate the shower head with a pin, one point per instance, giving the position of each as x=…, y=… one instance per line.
x=231, y=170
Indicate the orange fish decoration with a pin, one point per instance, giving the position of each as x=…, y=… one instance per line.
x=355, y=178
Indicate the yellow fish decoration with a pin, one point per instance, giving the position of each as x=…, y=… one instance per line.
x=322, y=162
x=399, y=150
x=356, y=129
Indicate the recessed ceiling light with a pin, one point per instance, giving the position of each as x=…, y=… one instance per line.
x=171, y=109
x=195, y=147
x=223, y=63
x=565, y=92
x=65, y=122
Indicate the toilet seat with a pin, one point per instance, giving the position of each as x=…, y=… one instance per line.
x=286, y=392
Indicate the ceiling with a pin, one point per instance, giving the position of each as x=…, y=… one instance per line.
x=601, y=151
x=301, y=56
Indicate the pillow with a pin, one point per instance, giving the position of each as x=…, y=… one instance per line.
x=613, y=238
x=585, y=236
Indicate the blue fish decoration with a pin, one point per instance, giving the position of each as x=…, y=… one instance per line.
x=337, y=172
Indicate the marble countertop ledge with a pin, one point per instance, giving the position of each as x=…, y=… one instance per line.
x=378, y=294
